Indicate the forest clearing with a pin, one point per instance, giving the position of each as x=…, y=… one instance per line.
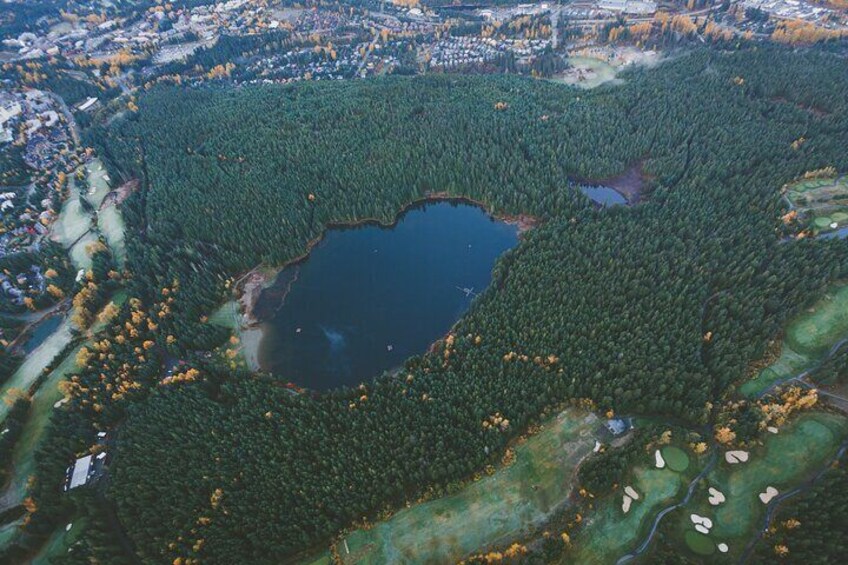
x=808, y=340
x=493, y=510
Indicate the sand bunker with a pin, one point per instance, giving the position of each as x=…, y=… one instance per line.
x=722, y=547
x=702, y=523
x=597, y=447
x=770, y=493
x=771, y=430
x=659, y=458
x=630, y=495
x=716, y=496
x=736, y=456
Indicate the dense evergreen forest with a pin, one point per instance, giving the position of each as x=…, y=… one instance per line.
x=612, y=305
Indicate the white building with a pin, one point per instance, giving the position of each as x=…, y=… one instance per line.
x=79, y=475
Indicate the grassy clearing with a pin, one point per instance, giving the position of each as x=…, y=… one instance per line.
x=79, y=253
x=73, y=221
x=587, y=73
x=226, y=316
x=23, y=455
x=59, y=543
x=815, y=332
x=98, y=186
x=609, y=533
x=493, y=510
x=809, y=337
x=9, y=531
x=787, y=458
x=35, y=363
x=111, y=225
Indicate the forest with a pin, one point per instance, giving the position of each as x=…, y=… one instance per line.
x=656, y=309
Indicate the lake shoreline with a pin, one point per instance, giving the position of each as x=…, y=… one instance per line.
x=250, y=285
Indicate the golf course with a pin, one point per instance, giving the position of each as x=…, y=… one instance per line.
x=494, y=510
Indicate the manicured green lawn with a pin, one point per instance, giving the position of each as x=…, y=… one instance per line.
x=786, y=459
x=23, y=461
x=59, y=543
x=609, y=533
x=809, y=337
x=493, y=510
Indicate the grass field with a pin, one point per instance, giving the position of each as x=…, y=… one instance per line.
x=73, y=221
x=59, y=543
x=111, y=225
x=23, y=460
x=79, y=254
x=493, y=510
x=98, y=186
x=785, y=460
x=587, y=73
x=9, y=531
x=35, y=363
x=226, y=316
x=609, y=533
x=809, y=337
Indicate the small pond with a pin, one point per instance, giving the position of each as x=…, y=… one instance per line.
x=603, y=195
x=369, y=297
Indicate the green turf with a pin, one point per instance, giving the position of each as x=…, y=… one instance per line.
x=98, y=186
x=785, y=459
x=493, y=510
x=789, y=364
x=809, y=337
x=58, y=543
x=79, y=252
x=226, y=316
x=699, y=543
x=813, y=333
x=23, y=461
x=35, y=363
x=9, y=531
x=609, y=533
x=822, y=222
x=675, y=458
x=111, y=225
x=72, y=221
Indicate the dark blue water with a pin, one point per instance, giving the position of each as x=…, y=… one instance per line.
x=603, y=195
x=41, y=332
x=369, y=297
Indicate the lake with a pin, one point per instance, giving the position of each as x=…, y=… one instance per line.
x=369, y=297
x=603, y=195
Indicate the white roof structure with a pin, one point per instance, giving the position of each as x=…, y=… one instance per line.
x=80, y=473
x=87, y=104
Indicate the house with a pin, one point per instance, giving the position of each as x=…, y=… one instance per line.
x=87, y=105
x=79, y=473
x=617, y=426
